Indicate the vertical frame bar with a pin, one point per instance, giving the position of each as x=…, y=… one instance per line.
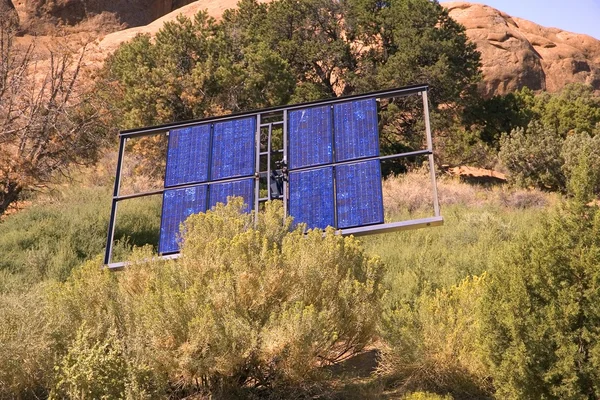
x=269, y=162
x=115, y=200
x=285, y=162
x=257, y=168
x=333, y=158
x=436, y=203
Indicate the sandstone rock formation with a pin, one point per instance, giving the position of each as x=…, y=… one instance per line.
x=8, y=13
x=110, y=42
x=517, y=53
x=40, y=15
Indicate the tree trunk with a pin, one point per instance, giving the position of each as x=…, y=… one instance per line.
x=9, y=195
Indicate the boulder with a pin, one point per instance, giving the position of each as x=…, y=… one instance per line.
x=517, y=53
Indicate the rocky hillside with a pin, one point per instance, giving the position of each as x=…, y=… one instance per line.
x=39, y=16
x=515, y=52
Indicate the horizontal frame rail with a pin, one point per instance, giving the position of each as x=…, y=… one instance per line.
x=383, y=94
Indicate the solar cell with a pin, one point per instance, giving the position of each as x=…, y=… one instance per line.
x=356, y=131
x=188, y=155
x=311, y=197
x=358, y=194
x=178, y=204
x=310, y=137
x=233, y=148
x=243, y=188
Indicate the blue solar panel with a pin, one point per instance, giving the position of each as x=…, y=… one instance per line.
x=178, y=204
x=356, y=131
x=233, y=148
x=310, y=137
x=311, y=197
x=242, y=188
x=188, y=155
x=358, y=194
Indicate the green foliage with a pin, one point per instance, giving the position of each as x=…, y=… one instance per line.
x=193, y=69
x=533, y=157
x=541, y=315
x=540, y=157
x=98, y=369
x=412, y=41
x=91, y=370
x=243, y=305
x=426, y=396
x=491, y=117
x=263, y=55
x=431, y=325
x=50, y=238
x=575, y=108
x=581, y=154
x=433, y=343
x=26, y=357
x=428, y=260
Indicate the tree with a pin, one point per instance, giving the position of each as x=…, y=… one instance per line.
x=540, y=313
x=491, y=118
x=194, y=69
x=576, y=108
x=263, y=55
x=47, y=121
x=533, y=156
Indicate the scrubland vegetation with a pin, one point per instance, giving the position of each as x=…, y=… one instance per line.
x=261, y=312
x=501, y=301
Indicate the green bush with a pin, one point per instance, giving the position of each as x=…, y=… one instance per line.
x=99, y=369
x=26, y=356
x=532, y=155
x=434, y=343
x=426, y=396
x=244, y=306
x=541, y=157
x=541, y=315
x=581, y=149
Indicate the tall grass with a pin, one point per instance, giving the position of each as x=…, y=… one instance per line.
x=435, y=278
x=478, y=223
x=67, y=227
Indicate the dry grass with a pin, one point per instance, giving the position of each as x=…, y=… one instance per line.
x=412, y=193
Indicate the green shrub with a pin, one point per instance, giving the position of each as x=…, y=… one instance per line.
x=541, y=314
x=578, y=149
x=99, y=369
x=533, y=156
x=426, y=396
x=434, y=344
x=26, y=356
x=244, y=305
x=91, y=369
x=542, y=158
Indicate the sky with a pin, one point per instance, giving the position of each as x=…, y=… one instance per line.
x=578, y=16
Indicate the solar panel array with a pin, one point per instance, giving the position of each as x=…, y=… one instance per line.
x=322, y=158
x=340, y=195
x=332, y=153
x=217, y=160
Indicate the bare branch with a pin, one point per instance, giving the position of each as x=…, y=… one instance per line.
x=47, y=118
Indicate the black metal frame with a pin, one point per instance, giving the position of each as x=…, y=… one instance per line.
x=422, y=90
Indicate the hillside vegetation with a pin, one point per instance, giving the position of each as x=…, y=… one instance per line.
x=502, y=301
x=281, y=322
